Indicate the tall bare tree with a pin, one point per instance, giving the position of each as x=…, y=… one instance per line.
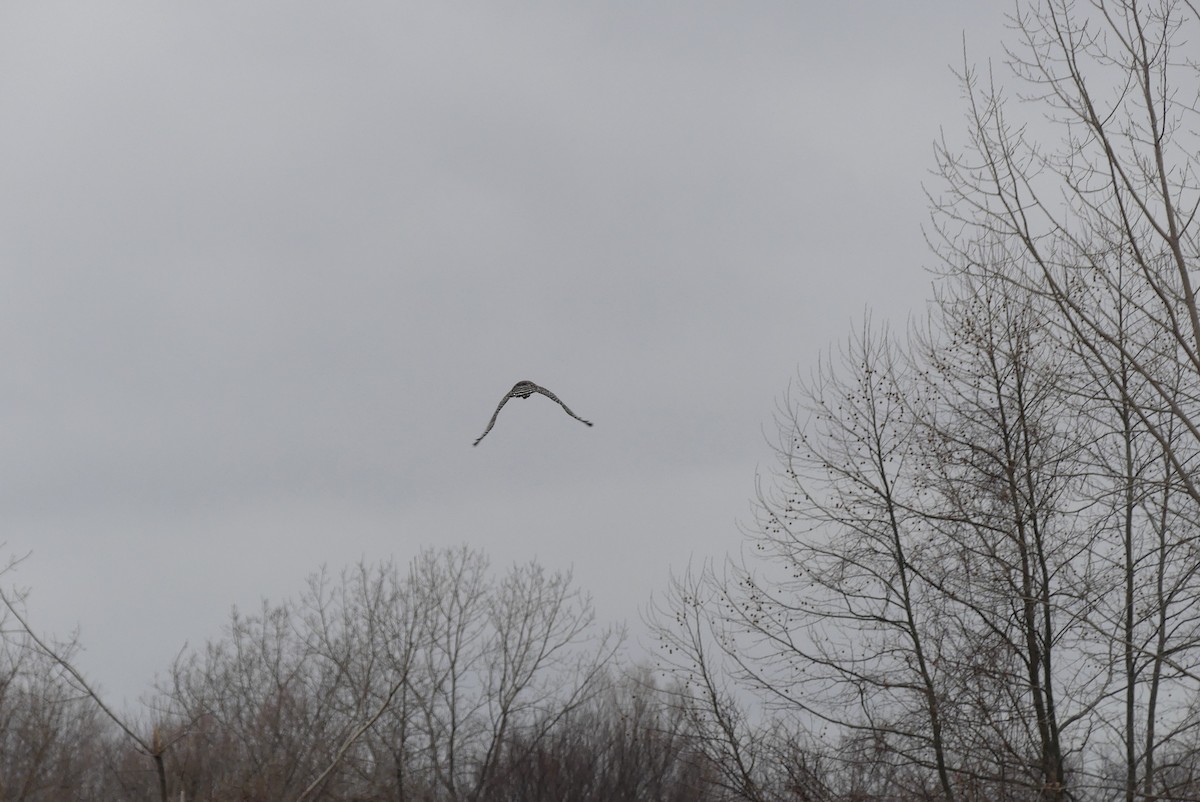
x=1094, y=209
x=1102, y=221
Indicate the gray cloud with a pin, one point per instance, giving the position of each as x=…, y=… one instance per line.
x=267, y=268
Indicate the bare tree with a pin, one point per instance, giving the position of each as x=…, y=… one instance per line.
x=1094, y=209
x=626, y=742
x=69, y=685
x=1109, y=215
x=843, y=615
x=264, y=711
x=927, y=571
x=1001, y=501
x=45, y=724
x=498, y=659
x=366, y=624
x=400, y=684
x=693, y=655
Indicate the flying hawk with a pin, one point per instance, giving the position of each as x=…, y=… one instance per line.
x=524, y=389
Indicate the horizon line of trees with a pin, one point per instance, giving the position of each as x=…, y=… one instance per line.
x=441, y=681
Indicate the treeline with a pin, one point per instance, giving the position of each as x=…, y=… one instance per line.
x=441, y=681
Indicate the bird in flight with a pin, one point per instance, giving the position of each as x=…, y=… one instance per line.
x=524, y=389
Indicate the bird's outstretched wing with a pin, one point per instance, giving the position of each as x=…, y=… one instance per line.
x=495, y=415
x=523, y=389
x=555, y=399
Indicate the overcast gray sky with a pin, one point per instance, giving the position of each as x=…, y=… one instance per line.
x=267, y=268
